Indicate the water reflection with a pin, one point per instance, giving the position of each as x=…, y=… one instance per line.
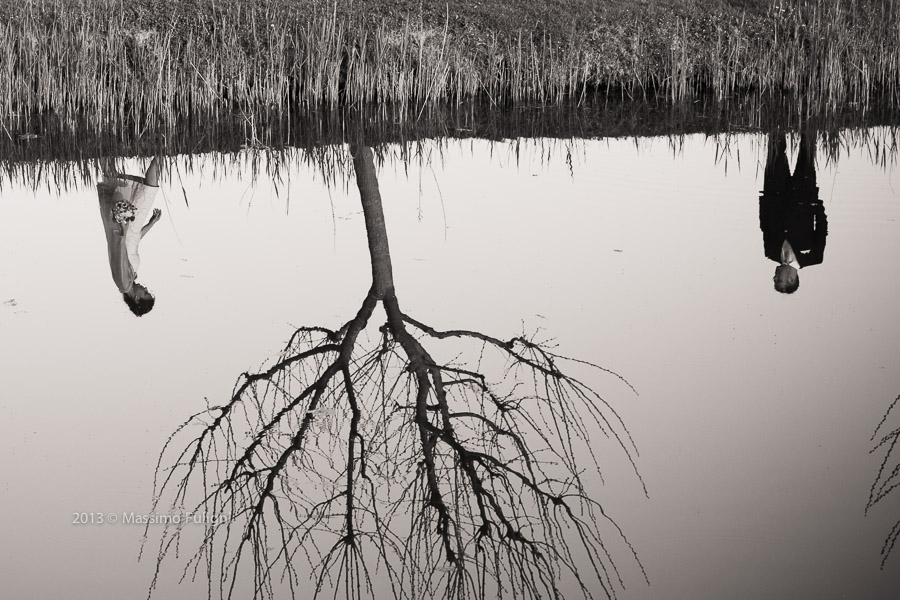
x=126, y=209
x=886, y=438
x=457, y=462
x=791, y=215
x=59, y=148
x=755, y=464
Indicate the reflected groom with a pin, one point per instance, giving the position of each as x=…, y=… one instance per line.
x=791, y=216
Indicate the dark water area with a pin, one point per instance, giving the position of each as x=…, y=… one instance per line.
x=551, y=344
x=45, y=137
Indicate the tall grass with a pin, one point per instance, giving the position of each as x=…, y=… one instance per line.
x=84, y=59
x=829, y=53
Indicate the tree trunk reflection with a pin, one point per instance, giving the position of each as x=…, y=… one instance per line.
x=383, y=469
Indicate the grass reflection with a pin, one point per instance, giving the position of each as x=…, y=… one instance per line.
x=886, y=439
x=50, y=152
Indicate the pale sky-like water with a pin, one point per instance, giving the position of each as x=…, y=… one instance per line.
x=754, y=410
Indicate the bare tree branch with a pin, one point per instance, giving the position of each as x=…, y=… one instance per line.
x=388, y=472
x=888, y=478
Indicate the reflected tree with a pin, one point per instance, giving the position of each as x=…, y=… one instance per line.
x=886, y=438
x=399, y=461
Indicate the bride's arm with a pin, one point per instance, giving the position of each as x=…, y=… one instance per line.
x=157, y=215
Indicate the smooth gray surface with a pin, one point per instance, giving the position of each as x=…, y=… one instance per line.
x=754, y=411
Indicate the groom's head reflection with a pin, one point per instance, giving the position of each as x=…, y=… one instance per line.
x=791, y=216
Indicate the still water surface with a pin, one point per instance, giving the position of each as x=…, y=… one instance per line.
x=754, y=409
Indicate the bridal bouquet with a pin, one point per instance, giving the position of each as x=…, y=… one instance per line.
x=124, y=212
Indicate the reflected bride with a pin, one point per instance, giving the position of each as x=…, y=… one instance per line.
x=125, y=203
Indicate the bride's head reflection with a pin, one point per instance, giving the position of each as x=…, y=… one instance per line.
x=140, y=301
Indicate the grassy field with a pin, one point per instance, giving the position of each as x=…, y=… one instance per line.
x=154, y=63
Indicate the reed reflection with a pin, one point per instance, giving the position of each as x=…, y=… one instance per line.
x=456, y=463
x=126, y=209
x=791, y=216
x=886, y=439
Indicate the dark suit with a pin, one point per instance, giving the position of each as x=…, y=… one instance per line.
x=789, y=207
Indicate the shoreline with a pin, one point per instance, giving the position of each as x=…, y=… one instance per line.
x=69, y=158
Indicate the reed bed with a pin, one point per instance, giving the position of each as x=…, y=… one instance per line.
x=86, y=60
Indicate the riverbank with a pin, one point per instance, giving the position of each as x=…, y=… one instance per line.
x=160, y=61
